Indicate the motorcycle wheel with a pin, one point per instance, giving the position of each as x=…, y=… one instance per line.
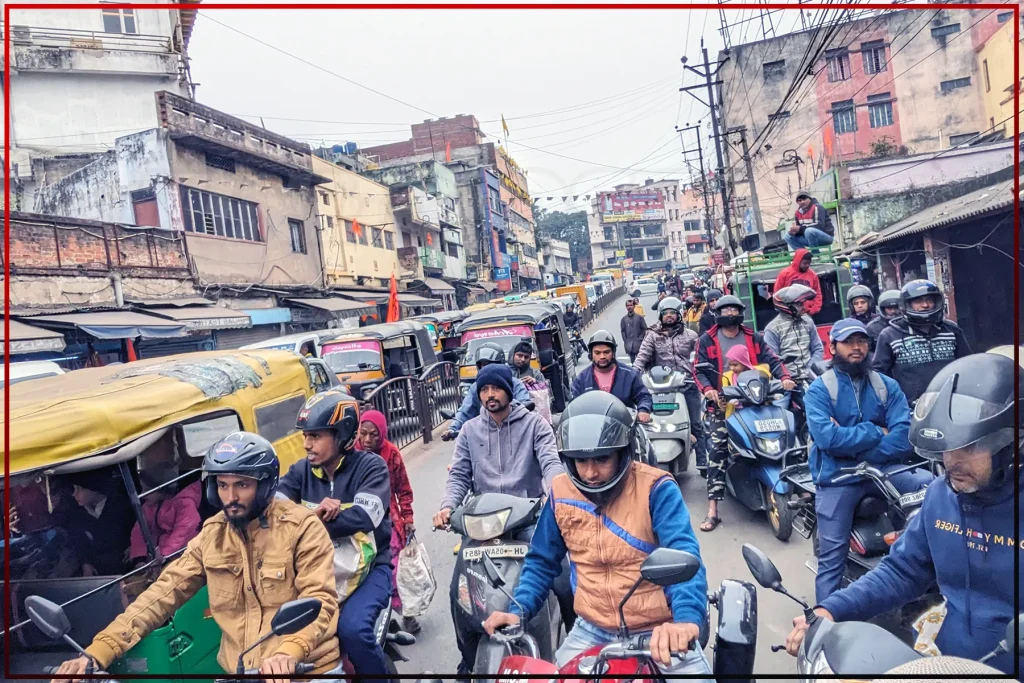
x=779, y=516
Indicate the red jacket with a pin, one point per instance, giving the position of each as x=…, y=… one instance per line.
x=401, y=490
x=792, y=275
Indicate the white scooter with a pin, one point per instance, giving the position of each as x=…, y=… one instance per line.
x=669, y=428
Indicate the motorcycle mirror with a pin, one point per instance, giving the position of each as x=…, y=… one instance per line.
x=48, y=617
x=661, y=373
x=494, y=576
x=447, y=414
x=668, y=567
x=294, y=616
x=763, y=569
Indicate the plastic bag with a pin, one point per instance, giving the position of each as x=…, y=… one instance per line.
x=540, y=394
x=353, y=558
x=416, y=584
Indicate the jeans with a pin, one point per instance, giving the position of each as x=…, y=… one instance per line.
x=358, y=616
x=338, y=671
x=834, y=507
x=812, y=237
x=585, y=636
x=694, y=406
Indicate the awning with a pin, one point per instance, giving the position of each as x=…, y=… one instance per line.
x=28, y=339
x=376, y=297
x=488, y=286
x=415, y=300
x=205, y=317
x=436, y=285
x=163, y=303
x=344, y=307
x=115, y=324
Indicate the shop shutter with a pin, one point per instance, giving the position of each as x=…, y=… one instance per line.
x=235, y=339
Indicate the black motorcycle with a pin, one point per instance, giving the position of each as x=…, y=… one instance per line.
x=579, y=347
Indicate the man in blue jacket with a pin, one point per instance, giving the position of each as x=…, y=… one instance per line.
x=605, y=373
x=854, y=415
x=963, y=539
x=487, y=354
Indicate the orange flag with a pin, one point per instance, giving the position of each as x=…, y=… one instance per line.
x=356, y=228
x=430, y=239
x=448, y=152
x=393, y=301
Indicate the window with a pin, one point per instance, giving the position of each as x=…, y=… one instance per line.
x=214, y=214
x=691, y=226
x=947, y=30
x=844, y=117
x=453, y=250
x=350, y=234
x=325, y=199
x=362, y=236
x=223, y=163
x=984, y=70
x=839, y=66
x=963, y=139
x=494, y=200
x=1004, y=17
x=119, y=21
x=378, y=238
x=389, y=241
x=202, y=434
x=297, y=230
x=330, y=221
x=775, y=71
x=880, y=110
x=318, y=378
x=874, y=56
x=949, y=86
x=277, y=420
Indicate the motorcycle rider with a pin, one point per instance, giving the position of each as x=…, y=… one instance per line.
x=696, y=311
x=633, y=329
x=913, y=348
x=712, y=349
x=963, y=539
x=506, y=449
x=350, y=491
x=253, y=535
x=571, y=318
x=607, y=512
x=522, y=354
x=866, y=419
x=605, y=373
x=862, y=304
x=489, y=353
x=888, y=309
x=793, y=336
x=671, y=343
x=707, y=320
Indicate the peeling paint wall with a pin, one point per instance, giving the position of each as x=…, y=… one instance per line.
x=30, y=291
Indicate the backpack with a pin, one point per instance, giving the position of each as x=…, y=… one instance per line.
x=828, y=378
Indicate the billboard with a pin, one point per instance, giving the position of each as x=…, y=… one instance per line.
x=639, y=205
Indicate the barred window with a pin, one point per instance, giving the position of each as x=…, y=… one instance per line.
x=839, y=66
x=844, y=117
x=874, y=56
x=956, y=83
x=880, y=110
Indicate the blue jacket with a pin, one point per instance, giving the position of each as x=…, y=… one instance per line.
x=670, y=520
x=628, y=387
x=966, y=546
x=859, y=436
x=471, y=403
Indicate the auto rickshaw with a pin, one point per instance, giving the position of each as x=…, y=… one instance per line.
x=539, y=322
x=312, y=341
x=127, y=423
x=475, y=308
x=579, y=291
x=366, y=357
x=439, y=325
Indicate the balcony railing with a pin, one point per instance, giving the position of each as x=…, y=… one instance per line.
x=37, y=36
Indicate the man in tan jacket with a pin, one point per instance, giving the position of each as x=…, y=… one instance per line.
x=255, y=555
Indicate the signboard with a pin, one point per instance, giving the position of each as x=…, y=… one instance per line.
x=622, y=207
x=351, y=346
x=502, y=274
x=620, y=253
x=492, y=332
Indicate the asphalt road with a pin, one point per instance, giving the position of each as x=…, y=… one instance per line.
x=435, y=650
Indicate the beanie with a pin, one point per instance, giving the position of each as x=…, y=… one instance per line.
x=495, y=375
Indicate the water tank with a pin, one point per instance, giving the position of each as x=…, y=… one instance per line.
x=351, y=148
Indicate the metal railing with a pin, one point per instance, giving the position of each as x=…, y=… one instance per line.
x=412, y=405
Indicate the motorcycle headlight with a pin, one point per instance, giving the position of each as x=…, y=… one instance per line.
x=486, y=527
x=653, y=426
x=669, y=427
x=463, y=598
x=769, y=446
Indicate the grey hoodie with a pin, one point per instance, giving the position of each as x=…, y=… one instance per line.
x=518, y=457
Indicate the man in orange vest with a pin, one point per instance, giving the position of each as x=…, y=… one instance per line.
x=608, y=512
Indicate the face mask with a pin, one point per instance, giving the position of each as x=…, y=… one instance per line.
x=728, y=320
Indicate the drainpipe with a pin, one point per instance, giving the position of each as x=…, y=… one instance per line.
x=115, y=280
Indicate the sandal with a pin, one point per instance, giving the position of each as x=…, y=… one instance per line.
x=710, y=523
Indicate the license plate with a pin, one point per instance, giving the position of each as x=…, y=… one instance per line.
x=666, y=406
x=912, y=498
x=517, y=551
x=772, y=425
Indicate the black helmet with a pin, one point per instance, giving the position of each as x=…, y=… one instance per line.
x=787, y=298
x=971, y=401
x=602, y=337
x=858, y=291
x=917, y=289
x=729, y=300
x=488, y=353
x=729, y=320
x=596, y=425
x=669, y=303
x=333, y=411
x=242, y=454
x=888, y=299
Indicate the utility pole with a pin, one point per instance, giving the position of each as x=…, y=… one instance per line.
x=755, y=206
x=708, y=224
x=709, y=82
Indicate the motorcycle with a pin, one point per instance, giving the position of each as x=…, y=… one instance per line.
x=579, y=347
x=762, y=442
x=629, y=658
x=669, y=428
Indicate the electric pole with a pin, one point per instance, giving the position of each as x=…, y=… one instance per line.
x=754, y=205
x=708, y=224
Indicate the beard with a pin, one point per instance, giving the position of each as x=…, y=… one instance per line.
x=494, y=405
x=858, y=369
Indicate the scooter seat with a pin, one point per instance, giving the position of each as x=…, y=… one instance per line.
x=870, y=507
x=858, y=649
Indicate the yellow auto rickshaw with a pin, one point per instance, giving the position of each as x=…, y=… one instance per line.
x=439, y=326
x=366, y=357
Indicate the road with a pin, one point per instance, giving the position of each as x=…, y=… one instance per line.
x=435, y=650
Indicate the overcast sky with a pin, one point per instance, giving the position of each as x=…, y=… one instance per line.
x=594, y=93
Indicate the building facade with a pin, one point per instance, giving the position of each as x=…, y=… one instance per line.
x=556, y=261
x=630, y=226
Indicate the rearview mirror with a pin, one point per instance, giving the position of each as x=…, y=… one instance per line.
x=49, y=617
x=294, y=616
x=667, y=567
x=764, y=571
x=494, y=576
x=447, y=414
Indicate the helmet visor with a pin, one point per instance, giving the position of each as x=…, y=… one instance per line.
x=963, y=421
x=592, y=436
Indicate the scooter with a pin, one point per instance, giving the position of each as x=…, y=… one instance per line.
x=762, y=442
x=629, y=658
x=669, y=428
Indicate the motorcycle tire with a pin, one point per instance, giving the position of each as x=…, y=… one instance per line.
x=780, y=516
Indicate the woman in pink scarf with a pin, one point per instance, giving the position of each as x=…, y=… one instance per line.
x=373, y=436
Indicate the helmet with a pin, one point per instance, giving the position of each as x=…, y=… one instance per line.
x=858, y=291
x=602, y=337
x=596, y=425
x=729, y=300
x=917, y=289
x=489, y=352
x=971, y=401
x=729, y=320
x=888, y=299
x=1007, y=351
x=787, y=298
x=669, y=303
x=333, y=411
x=243, y=454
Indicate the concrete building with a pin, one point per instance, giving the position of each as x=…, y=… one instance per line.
x=630, y=225
x=995, y=63
x=82, y=78
x=557, y=261
x=904, y=82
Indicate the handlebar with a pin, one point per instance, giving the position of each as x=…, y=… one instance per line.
x=778, y=648
x=301, y=669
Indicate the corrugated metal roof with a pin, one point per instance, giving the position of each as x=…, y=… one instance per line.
x=436, y=285
x=336, y=305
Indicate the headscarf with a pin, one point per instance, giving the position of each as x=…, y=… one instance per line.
x=741, y=355
x=377, y=419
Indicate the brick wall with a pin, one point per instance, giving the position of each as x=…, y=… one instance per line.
x=434, y=136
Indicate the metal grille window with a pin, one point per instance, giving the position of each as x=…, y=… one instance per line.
x=119, y=21
x=949, y=86
x=362, y=236
x=947, y=30
x=880, y=110
x=223, y=163
x=839, y=66
x=324, y=199
x=389, y=240
x=844, y=117
x=297, y=231
x=874, y=56
x=214, y=214
x=774, y=71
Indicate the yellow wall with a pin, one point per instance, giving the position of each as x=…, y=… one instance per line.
x=996, y=57
x=350, y=197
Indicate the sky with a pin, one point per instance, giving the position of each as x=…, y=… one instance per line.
x=591, y=97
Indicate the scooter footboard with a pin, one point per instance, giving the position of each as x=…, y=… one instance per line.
x=736, y=637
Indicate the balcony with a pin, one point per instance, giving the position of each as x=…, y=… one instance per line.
x=69, y=50
x=648, y=241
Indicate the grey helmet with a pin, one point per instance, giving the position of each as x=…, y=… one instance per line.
x=669, y=303
x=860, y=291
x=489, y=353
x=602, y=337
x=597, y=425
x=890, y=298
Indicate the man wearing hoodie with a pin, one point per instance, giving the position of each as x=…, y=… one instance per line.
x=963, y=540
x=812, y=226
x=792, y=334
x=799, y=272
